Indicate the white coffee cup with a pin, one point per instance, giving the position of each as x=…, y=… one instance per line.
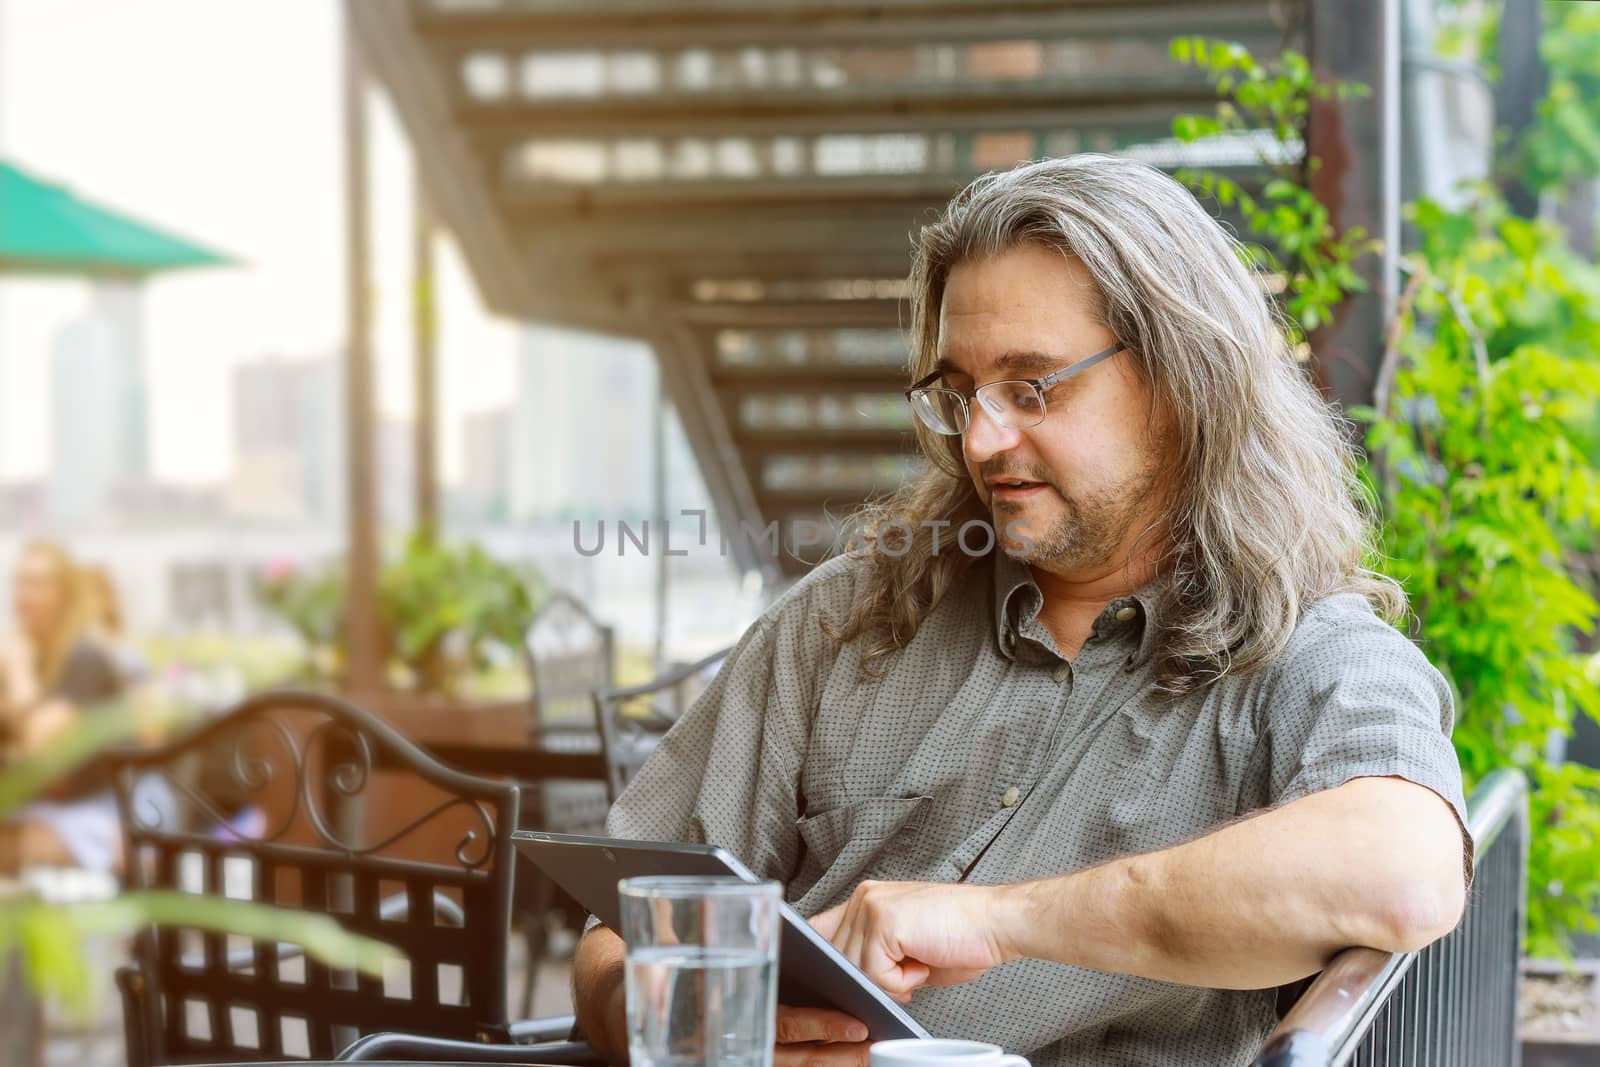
x=942, y=1052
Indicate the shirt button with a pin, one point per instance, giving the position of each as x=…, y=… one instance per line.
x=1126, y=614
x=1061, y=673
x=1009, y=797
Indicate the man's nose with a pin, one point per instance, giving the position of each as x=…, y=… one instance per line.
x=985, y=437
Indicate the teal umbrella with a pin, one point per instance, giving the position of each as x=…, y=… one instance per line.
x=45, y=229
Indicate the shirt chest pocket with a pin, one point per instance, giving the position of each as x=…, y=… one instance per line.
x=853, y=842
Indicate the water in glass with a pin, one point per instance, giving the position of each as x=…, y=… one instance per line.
x=693, y=1006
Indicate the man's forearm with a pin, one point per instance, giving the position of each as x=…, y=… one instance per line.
x=599, y=993
x=1260, y=902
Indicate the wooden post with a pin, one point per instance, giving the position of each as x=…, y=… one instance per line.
x=1358, y=142
x=363, y=646
x=425, y=334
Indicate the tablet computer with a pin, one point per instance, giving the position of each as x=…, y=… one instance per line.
x=810, y=972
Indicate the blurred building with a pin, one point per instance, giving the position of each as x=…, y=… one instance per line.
x=397, y=472
x=25, y=504
x=485, y=486
x=288, y=456
x=98, y=405
x=581, y=426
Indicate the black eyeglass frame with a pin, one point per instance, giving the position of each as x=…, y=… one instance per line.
x=1039, y=386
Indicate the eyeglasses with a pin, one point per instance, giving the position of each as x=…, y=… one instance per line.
x=1017, y=403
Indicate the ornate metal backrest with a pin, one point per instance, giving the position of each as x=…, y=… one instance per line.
x=303, y=800
x=632, y=720
x=569, y=656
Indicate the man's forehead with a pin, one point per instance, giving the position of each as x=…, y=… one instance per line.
x=1022, y=362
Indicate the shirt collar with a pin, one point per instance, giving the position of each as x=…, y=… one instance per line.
x=1017, y=599
x=1011, y=581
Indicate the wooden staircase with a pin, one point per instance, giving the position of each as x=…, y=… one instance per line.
x=738, y=181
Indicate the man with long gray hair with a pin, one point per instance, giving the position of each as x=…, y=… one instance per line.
x=1101, y=733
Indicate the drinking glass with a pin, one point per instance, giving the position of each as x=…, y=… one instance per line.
x=702, y=970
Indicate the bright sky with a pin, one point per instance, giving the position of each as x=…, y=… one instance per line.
x=220, y=122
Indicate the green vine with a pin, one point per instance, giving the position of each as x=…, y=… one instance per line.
x=1270, y=102
x=1490, y=488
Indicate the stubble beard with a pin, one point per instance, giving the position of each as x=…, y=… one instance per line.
x=1087, y=533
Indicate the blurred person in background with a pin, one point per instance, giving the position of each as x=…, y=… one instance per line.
x=105, y=623
x=54, y=666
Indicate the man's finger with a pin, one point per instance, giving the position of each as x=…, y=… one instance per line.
x=798, y=1025
x=827, y=922
x=852, y=1054
x=950, y=976
x=911, y=974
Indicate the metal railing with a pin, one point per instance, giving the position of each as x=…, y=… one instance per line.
x=1454, y=1002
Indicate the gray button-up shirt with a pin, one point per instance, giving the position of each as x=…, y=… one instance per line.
x=980, y=754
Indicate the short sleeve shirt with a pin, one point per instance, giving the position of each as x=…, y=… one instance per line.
x=978, y=753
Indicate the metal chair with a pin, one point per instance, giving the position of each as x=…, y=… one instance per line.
x=434, y=880
x=1452, y=1002
x=388, y=1047
x=569, y=654
x=632, y=720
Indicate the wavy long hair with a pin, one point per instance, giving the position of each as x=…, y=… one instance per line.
x=1265, y=514
x=70, y=622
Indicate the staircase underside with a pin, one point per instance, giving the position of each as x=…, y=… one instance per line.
x=738, y=184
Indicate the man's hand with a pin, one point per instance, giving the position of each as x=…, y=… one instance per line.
x=818, y=1037
x=904, y=935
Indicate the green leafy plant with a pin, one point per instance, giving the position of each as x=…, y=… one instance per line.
x=444, y=608
x=1489, y=485
x=48, y=938
x=1270, y=103
x=311, y=603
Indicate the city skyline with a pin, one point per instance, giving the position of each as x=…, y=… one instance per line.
x=219, y=144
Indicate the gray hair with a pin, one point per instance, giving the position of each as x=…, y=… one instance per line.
x=1267, y=513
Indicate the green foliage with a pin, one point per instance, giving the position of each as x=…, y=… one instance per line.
x=312, y=604
x=444, y=609
x=48, y=938
x=1299, y=241
x=1489, y=484
x=1564, y=143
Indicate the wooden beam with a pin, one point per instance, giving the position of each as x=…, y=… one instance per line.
x=653, y=25
x=425, y=336
x=732, y=391
x=761, y=444
x=685, y=378
x=797, y=314
x=917, y=192
x=814, y=373
x=1358, y=143
x=994, y=104
x=458, y=189
x=362, y=628
x=1131, y=121
x=579, y=244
